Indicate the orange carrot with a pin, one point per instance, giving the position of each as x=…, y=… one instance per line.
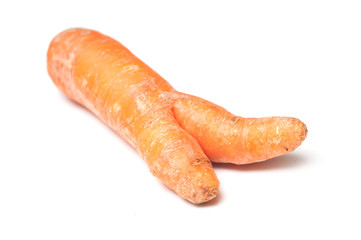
x=227, y=138
x=175, y=133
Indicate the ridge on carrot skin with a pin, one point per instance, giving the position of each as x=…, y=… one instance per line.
x=176, y=134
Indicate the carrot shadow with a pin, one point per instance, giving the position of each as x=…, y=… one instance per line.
x=291, y=160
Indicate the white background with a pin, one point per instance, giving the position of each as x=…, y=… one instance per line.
x=66, y=175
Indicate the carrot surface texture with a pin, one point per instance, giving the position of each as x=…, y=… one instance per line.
x=177, y=134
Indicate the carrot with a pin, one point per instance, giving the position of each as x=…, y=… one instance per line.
x=235, y=139
x=174, y=132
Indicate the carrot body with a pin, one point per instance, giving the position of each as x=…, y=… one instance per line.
x=175, y=133
x=227, y=138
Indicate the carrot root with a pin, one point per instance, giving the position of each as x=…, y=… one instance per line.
x=177, y=134
x=235, y=139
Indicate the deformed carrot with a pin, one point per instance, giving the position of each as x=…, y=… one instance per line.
x=174, y=132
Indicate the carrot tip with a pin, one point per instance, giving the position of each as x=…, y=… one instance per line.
x=205, y=194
